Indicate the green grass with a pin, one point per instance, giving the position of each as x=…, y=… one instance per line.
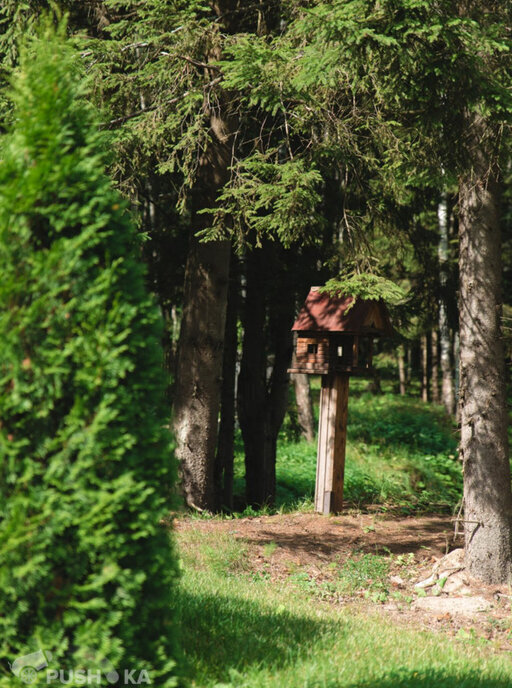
x=401, y=453
x=240, y=631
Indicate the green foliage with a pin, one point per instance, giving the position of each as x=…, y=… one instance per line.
x=268, y=199
x=366, y=286
x=390, y=422
x=86, y=470
x=411, y=441
x=400, y=453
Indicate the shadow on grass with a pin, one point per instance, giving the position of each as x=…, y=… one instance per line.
x=223, y=634
x=431, y=679
x=345, y=537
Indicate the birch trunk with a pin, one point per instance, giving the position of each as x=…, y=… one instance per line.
x=447, y=393
x=434, y=380
x=401, y=370
x=424, y=368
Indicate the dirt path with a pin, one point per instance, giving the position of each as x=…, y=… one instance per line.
x=312, y=538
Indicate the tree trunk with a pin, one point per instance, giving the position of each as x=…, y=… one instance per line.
x=200, y=350
x=199, y=370
x=252, y=379
x=434, y=380
x=262, y=399
x=408, y=365
x=374, y=386
x=447, y=394
x=304, y=406
x=225, y=448
x=424, y=367
x=484, y=445
x=456, y=374
x=401, y=369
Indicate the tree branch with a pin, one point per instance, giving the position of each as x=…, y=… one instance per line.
x=121, y=120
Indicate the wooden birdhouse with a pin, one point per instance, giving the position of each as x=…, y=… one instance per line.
x=335, y=335
x=335, y=340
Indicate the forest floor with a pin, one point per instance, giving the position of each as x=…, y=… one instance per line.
x=361, y=563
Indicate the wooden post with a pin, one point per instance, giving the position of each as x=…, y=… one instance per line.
x=332, y=440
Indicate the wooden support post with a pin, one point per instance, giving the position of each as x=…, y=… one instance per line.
x=332, y=440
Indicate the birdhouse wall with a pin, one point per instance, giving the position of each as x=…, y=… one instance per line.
x=332, y=352
x=312, y=353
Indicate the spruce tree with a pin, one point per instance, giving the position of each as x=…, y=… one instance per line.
x=87, y=568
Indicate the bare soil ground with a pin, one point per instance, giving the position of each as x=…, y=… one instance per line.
x=279, y=547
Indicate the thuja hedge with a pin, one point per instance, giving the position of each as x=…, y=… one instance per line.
x=87, y=569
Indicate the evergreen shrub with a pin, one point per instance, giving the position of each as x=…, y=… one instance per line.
x=87, y=568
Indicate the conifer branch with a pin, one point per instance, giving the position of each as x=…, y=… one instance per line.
x=121, y=120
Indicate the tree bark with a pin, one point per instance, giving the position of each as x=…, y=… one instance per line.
x=199, y=370
x=374, y=386
x=408, y=364
x=456, y=373
x=252, y=380
x=225, y=448
x=447, y=394
x=304, y=406
x=484, y=445
x=434, y=380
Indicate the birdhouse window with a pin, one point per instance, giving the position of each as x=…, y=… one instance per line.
x=312, y=348
x=341, y=351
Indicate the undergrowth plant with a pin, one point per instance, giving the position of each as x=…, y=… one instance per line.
x=401, y=454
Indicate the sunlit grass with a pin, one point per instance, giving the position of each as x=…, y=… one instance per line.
x=240, y=631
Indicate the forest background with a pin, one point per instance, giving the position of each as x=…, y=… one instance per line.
x=266, y=147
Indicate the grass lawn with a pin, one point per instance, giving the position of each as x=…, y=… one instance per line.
x=268, y=602
x=242, y=630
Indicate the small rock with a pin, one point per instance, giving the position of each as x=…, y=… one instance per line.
x=465, y=606
x=454, y=583
x=432, y=580
x=397, y=580
x=391, y=607
x=451, y=563
x=446, y=567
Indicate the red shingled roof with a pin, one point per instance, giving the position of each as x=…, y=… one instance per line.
x=323, y=313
